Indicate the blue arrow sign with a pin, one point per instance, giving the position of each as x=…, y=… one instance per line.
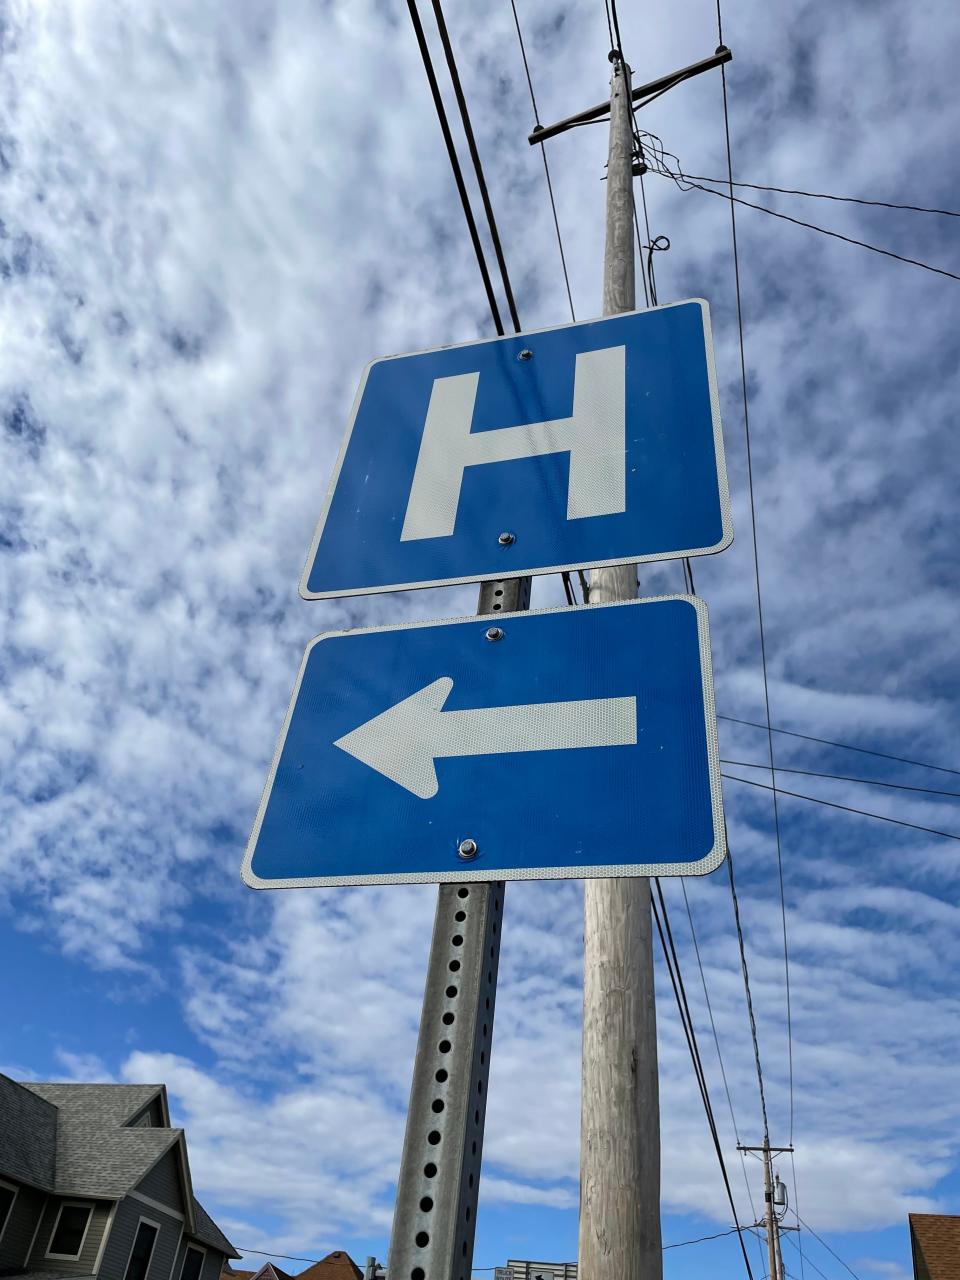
x=591, y=444
x=579, y=742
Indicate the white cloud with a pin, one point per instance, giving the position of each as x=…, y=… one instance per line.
x=210, y=224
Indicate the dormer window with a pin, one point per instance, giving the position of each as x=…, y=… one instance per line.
x=70, y=1230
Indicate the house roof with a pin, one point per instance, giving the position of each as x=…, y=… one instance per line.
x=29, y=1126
x=75, y=1139
x=95, y=1154
x=935, y=1240
x=208, y=1231
x=335, y=1266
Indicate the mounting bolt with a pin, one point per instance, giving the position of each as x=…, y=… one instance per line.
x=467, y=849
x=506, y=539
x=525, y=354
x=494, y=633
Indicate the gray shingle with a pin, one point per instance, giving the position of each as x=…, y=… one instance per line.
x=210, y=1233
x=28, y=1135
x=110, y=1105
x=71, y=1139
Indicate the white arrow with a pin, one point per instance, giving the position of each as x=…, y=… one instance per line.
x=403, y=742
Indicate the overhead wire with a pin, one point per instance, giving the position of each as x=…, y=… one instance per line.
x=716, y=1041
x=841, y=777
x=672, y=961
x=475, y=157
x=846, y=746
x=823, y=195
x=806, y=1226
x=455, y=164
x=756, y=566
x=832, y=804
x=546, y=166
x=811, y=226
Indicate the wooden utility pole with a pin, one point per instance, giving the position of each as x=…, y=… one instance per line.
x=769, y=1213
x=620, y=1105
x=771, y=1223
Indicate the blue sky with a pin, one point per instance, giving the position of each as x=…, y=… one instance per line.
x=212, y=218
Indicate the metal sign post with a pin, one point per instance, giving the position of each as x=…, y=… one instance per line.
x=435, y=1215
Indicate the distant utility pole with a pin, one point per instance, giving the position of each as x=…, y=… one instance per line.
x=620, y=1103
x=773, y=1197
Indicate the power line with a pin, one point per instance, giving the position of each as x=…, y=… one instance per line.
x=455, y=164
x=475, y=157
x=679, y=991
x=842, y=777
x=716, y=1041
x=756, y=567
x=746, y=985
x=831, y=804
x=846, y=746
x=825, y=1245
x=823, y=195
x=546, y=167
x=812, y=226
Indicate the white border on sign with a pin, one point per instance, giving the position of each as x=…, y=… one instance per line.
x=514, y=570
x=470, y=873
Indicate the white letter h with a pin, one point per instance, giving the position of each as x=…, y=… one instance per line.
x=594, y=436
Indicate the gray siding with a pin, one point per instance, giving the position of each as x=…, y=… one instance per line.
x=212, y=1264
x=154, y=1113
x=21, y=1225
x=163, y=1182
x=124, y=1230
x=213, y=1260
x=83, y=1265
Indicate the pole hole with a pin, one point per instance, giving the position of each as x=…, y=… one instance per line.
x=483, y=1058
x=499, y=591
x=437, y=1105
x=486, y=1003
x=444, y=1046
x=474, y=1152
x=470, y=1181
x=476, y=1118
x=461, y=915
x=430, y=1170
x=441, y=1075
x=463, y=893
x=447, y=1019
x=454, y=966
x=433, y=1137
x=484, y=1029
x=451, y=992
x=418, y=1273
x=467, y=1214
x=457, y=939
x=422, y=1239
x=426, y=1204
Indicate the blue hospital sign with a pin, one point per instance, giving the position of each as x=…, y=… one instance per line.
x=592, y=444
x=403, y=744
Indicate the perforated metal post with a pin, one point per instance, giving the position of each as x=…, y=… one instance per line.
x=436, y=1211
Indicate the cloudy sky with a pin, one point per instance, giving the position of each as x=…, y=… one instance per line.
x=211, y=217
